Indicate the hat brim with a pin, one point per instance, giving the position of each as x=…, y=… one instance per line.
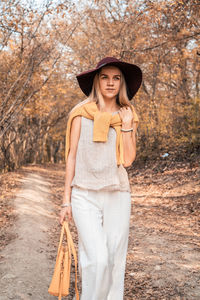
x=131, y=72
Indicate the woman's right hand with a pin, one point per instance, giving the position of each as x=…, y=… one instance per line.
x=65, y=211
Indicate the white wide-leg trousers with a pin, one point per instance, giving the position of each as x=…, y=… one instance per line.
x=102, y=221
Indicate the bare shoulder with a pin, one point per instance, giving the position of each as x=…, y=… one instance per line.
x=75, y=133
x=76, y=122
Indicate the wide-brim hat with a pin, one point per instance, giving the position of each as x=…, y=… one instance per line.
x=131, y=72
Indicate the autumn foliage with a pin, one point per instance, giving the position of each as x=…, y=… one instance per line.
x=43, y=48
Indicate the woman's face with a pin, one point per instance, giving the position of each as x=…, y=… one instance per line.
x=109, y=82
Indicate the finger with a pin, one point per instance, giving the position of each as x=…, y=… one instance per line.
x=70, y=216
x=126, y=108
x=62, y=217
x=122, y=110
x=61, y=221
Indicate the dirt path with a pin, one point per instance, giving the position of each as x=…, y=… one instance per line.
x=164, y=249
x=24, y=265
x=163, y=260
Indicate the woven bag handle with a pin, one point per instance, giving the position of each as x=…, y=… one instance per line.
x=73, y=251
x=61, y=238
x=59, y=248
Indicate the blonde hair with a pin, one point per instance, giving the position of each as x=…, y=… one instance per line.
x=96, y=96
x=123, y=97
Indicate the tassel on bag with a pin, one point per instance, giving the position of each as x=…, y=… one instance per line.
x=61, y=277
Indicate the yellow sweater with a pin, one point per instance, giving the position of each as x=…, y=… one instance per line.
x=102, y=122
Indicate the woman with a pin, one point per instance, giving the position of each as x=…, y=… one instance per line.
x=100, y=142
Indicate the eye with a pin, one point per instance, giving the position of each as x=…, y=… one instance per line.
x=103, y=76
x=117, y=78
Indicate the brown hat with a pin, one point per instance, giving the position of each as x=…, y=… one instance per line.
x=132, y=75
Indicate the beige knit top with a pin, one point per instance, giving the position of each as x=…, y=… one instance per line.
x=96, y=164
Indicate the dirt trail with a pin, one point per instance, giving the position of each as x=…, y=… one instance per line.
x=164, y=248
x=163, y=260
x=25, y=272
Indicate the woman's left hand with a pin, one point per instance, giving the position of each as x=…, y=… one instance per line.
x=126, y=116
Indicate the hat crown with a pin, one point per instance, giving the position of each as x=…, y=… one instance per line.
x=106, y=61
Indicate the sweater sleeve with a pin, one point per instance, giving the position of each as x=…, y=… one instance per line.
x=135, y=116
x=75, y=112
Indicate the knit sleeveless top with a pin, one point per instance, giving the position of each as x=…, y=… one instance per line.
x=96, y=164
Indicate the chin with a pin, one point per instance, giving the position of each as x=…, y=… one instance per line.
x=110, y=96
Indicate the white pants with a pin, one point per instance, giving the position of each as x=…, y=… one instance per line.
x=102, y=221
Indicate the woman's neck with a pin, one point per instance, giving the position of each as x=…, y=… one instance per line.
x=110, y=106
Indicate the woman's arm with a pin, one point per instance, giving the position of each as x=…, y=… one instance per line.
x=129, y=138
x=70, y=167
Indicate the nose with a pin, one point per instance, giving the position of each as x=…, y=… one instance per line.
x=110, y=81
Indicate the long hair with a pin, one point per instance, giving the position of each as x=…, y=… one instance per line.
x=96, y=96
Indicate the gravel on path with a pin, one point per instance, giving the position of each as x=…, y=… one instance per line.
x=25, y=268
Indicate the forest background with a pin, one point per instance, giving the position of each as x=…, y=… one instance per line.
x=43, y=47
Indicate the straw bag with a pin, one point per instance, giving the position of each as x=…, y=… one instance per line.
x=61, y=277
